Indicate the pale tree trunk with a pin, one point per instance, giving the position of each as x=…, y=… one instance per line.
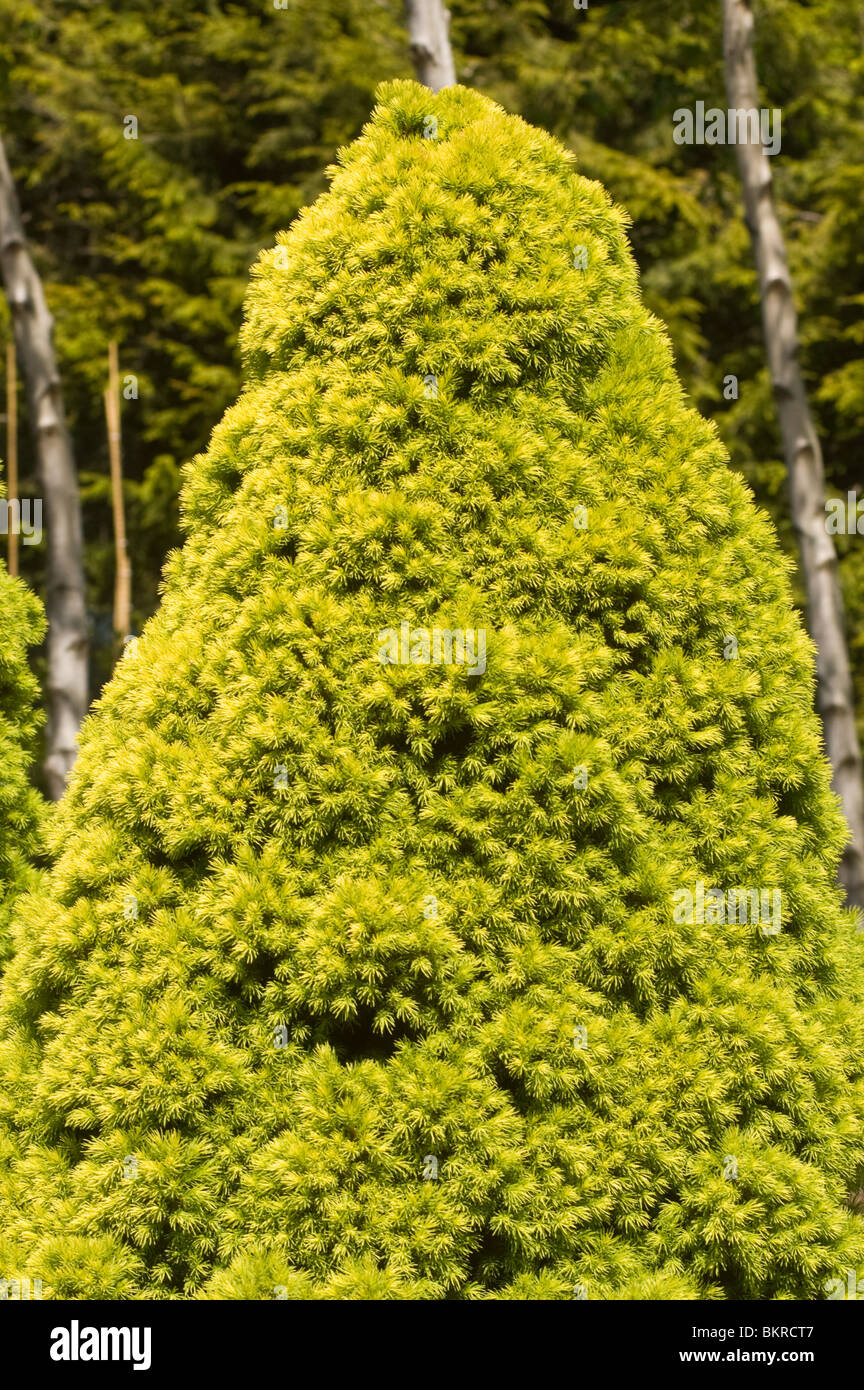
x=65, y=601
x=429, y=31
x=801, y=449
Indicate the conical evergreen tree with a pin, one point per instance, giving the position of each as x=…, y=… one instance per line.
x=22, y=624
x=362, y=974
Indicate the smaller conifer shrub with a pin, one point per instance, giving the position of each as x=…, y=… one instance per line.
x=21, y=807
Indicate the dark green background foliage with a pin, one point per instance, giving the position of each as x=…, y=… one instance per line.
x=262, y=811
x=241, y=106
x=239, y=109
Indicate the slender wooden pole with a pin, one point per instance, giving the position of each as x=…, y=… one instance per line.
x=123, y=574
x=12, y=451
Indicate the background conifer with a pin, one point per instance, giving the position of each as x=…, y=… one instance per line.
x=354, y=980
x=21, y=807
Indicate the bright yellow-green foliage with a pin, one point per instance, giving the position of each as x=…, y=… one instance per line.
x=21, y=807
x=355, y=979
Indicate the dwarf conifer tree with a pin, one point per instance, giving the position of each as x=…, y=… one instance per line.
x=444, y=902
x=21, y=806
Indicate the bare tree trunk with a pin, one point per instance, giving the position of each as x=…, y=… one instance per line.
x=65, y=599
x=429, y=30
x=801, y=448
x=122, y=570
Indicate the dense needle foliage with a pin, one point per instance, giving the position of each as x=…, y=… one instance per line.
x=354, y=979
x=21, y=807
x=240, y=106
